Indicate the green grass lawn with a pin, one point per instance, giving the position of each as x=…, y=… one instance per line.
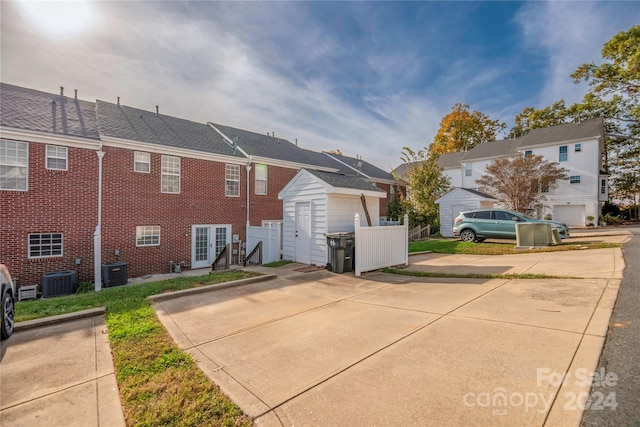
x=276, y=264
x=451, y=246
x=159, y=383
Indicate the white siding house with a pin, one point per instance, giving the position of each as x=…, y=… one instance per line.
x=577, y=147
x=460, y=200
x=316, y=203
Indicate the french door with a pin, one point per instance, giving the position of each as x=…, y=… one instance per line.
x=207, y=241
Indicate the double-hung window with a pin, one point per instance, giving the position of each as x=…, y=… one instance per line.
x=578, y=147
x=563, y=154
x=170, y=174
x=45, y=245
x=574, y=179
x=528, y=153
x=261, y=179
x=148, y=235
x=468, y=170
x=57, y=157
x=603, y=186
x=14, y=165
x=232, y=181
x=141, y=162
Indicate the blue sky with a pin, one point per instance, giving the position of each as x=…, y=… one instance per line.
x=365, y=77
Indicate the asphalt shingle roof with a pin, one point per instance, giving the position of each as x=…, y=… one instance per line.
x=119, y=121
x=339, y=180
x=492, y=149
x=366, y=167
x=29, y=109
x=567, y=132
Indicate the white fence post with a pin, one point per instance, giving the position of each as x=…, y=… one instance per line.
x=406, y=241
x=358, y=234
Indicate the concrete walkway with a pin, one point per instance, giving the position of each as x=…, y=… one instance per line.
x=324, y=349
x=59, y=375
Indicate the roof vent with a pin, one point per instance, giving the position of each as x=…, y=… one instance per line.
x=76, y=95
x=61, y=90
x=157, y=110
x=118, y=101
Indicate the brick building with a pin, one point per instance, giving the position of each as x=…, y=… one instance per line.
x=172, y=190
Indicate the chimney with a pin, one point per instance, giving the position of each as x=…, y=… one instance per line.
x=157, y=110
x=76, y=90
x=61, y=90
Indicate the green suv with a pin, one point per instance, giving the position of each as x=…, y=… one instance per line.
x=476, y=226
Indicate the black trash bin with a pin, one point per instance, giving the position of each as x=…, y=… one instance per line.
x=341, y=248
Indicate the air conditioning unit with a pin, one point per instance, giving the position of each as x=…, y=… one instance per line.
x=59, y=283
x=114, y=274
x=532, y=235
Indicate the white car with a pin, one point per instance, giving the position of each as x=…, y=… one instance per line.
x=8, y=298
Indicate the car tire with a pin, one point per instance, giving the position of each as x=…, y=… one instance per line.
x=468, y=235
x=8, y=313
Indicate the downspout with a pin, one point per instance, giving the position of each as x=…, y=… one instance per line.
x=97, y=235
x=248, y=167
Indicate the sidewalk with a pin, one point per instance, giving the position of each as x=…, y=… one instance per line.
x=59, y=375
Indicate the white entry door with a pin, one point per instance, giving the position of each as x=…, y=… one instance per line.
x=303, y=232
x=207, y=241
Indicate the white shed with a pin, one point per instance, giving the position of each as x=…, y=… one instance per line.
x=459, y=200
x=316, y=203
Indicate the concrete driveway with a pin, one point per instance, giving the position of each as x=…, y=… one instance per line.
x=324, y=349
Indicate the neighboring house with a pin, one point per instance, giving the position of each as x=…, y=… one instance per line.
x=173, y=191
x=577, y=147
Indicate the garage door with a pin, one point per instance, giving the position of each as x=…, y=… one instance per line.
x=569, y=214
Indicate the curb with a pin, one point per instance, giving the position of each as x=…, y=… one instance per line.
x=420, y=253
x=210, y=288
x=52, y=320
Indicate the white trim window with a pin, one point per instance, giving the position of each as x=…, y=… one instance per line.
x=170, y=179
x=603, y=186
x=232, y=181
x=468, y=169
x=578, y=148
x=261, y=179
x=46, y=245
x=563, y=153
x=574, y=179
x=57, y=158
x=14, y=165
x=528, y=153
x=148, y=235
x=141, y=162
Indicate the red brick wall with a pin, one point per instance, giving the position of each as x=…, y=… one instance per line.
x=66, y=202
x=132, y=199
x=56, y=202
x=384, y=202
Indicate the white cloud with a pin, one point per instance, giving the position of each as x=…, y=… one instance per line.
x=570, y=34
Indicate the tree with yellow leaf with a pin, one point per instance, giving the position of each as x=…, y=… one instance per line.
x=461, y=130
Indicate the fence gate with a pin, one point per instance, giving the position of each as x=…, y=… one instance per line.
x=379, y=247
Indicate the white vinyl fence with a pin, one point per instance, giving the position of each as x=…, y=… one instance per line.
x=270, y=237
x=378, y=247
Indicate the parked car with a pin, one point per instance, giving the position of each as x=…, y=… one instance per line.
x=476, y=226
x=8, y=298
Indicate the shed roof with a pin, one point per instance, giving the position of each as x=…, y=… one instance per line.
x=475, y=193
x=339, y=180
x=351, y=166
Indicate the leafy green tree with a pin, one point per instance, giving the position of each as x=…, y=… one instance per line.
x=614, y=87
x=613, y=95
x=426, y=184
x=530, y=118
x=518, y=182
x=461, y=130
